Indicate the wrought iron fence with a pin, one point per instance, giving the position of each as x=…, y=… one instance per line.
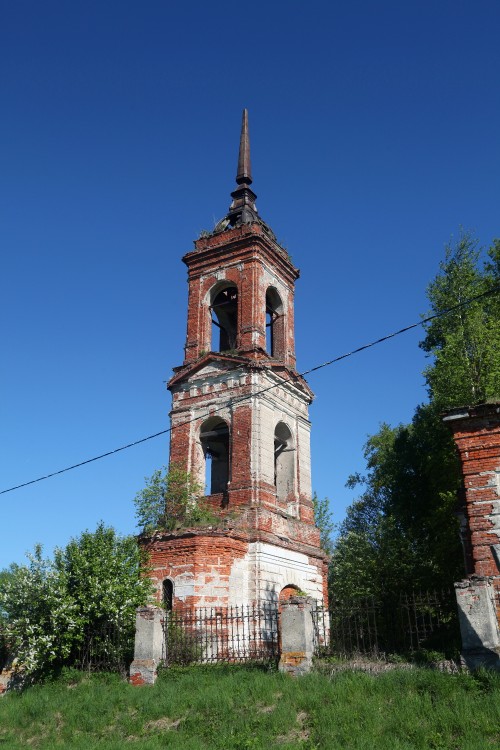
x=105, y=646
x=401, y=624
x=221, y=634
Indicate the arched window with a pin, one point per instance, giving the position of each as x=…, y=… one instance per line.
x=224, y=309
x=214, y=436
x=275, y=324
x=283, y=461
x=168, y=594
x=287, y=592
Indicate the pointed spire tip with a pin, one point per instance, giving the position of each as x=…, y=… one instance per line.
x=244, y=173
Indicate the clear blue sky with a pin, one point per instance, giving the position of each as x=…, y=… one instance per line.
x=375, y=135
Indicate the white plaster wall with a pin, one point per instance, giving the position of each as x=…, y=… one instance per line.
x=183, y=585
x=266, y=569
x=304, y=457
x=265, y=424
x=281, y=404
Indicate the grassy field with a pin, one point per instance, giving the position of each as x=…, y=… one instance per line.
x=231, y=708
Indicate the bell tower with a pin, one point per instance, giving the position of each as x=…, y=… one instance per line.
x=240, y=421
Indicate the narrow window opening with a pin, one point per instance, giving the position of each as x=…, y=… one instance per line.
x=168, y=594
x=269, y=333
x=225, y=319
x=283, y=462
x=208, y=472
x=275, y=330
x=214, y=438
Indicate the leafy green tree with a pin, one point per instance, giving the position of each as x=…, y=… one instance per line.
x=40, y=619
x=49, y=607
x=402, y=531
x=100, y=570
x=464, y=344
x=323, y=519
x=172, y=499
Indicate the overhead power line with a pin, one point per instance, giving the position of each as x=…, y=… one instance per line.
x=238, y=399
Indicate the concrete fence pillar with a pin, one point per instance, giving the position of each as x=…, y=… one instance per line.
x=296, y=632
x=478, y=622
x=149, y=642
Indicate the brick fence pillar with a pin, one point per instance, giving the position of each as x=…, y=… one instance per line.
x=296, y=631
x=476, y=432
x=478, y=622
x=148, y=650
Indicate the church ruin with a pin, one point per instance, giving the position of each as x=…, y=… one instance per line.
x=239, y=423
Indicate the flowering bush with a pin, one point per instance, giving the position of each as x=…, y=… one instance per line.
x=48, y=606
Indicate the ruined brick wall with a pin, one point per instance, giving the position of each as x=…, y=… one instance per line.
x=219, y=568
x=476, y=431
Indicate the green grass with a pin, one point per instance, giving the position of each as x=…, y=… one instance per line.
x=231, y=708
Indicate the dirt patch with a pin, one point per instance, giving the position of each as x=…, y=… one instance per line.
x=296, y=734
x=265, y=709
x=380, y=666
x=164, y=724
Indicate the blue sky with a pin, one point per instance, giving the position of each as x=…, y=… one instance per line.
x=374, y=134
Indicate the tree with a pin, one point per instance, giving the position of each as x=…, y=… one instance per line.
x=464, y=344
x=402, y=531
x=49, y=607
x=172, y=499
x=324, y=521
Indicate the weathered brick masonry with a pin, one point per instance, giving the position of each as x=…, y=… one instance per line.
x=476, y=431
x=240, y=421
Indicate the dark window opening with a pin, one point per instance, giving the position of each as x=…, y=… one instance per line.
x=214, y=436
x=168, y=594
x=283, y=461
x=275, y=332
x=269, y=333
x=225, y=319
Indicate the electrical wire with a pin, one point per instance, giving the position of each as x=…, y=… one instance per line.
x=245, y=397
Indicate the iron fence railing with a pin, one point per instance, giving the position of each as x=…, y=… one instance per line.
x=105, y=646
x=403, y=623
x=221, y=634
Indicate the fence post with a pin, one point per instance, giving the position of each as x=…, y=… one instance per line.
x=478, y=622
x=148, y=648
x=297, y=635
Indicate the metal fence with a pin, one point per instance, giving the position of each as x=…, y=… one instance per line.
x=401, y=624
x=105, y=646
x=221, y=634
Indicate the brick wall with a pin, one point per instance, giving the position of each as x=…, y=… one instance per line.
x=232, y=566
x=476, y=431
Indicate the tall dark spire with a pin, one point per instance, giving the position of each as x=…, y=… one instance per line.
x=244, y=174
x=243, y=209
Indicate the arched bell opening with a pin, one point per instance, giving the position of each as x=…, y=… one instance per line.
x=275, y=324
x=224, y=315
x=214, y=438
x=284, y=461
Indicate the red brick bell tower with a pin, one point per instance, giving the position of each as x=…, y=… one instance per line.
x=240, y=421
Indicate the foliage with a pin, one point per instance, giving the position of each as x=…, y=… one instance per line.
x=402, y=531
x=50, y=605
x=172, y=499
x=324, y=521
x=233, y=708
x=464, y=344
